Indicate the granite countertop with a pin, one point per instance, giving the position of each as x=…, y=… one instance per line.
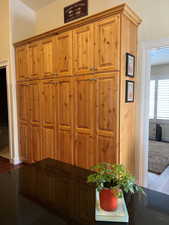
x=51, y=192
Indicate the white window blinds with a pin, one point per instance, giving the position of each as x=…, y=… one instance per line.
x=152, y=99
x=163, y=99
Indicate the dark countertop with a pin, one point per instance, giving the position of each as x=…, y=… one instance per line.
x=51, y=192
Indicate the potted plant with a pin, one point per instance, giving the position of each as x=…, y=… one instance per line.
x=111, y=181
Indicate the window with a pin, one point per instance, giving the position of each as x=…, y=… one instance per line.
x=159, y=99
x=163, y=99
x=152, y=99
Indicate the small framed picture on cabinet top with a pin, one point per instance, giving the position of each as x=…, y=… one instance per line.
x=130, y=65
x=129, y=91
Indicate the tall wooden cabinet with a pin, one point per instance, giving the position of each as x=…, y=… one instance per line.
x=71, y=91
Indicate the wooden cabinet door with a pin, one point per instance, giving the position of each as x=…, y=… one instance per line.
x=65, y=120
x=83, y=45
x=21, y=63
x=48, y=56
x=48, y=142
x=24, y=140
x=85, y=115
x=23, y=102
x=64, y=53
x=107, y=44
x=49, y=102
x=107, y=118
x=34, y=59
x=35, y=143
x=35, y=102
x=50, y=117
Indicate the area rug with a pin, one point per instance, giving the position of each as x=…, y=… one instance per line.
x=158, y=158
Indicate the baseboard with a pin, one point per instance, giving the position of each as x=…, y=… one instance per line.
x=15, y=161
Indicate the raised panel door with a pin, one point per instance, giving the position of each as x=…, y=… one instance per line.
x=107, y=44
x=85, y=115
x=23, y=102
x=22, y=62
x=36, y=145
x=107, y=118
x=24, y=140
x=34, y=59
x=49, y=102
x=65, y=120
x=64, y=53
x=83, y=46
x=35, y=102
x=48, y=143
x=50, y=115
x=48, y=56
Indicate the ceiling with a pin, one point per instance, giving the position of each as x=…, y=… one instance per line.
x=160, y=56
x=37, y=4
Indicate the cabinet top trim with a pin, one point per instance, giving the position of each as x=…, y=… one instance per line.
x=123, y=9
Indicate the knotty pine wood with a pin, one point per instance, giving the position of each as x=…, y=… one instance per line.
x=107, y=44
x=35, y=141
x=85, y=121
x=23, y=97
x=35, y=102
x=83, y=43
x=76, y=111
x=48, y=143
x=107, y=117
x=64, y=45
x=65, y=120
x=127, y=132
x=22, y=62
x=24, y=142
x=34, y=60
x=48, y=57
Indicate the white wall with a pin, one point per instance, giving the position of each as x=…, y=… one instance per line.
x=23, y=21
x=160, y=70
x=17, y=22
x=154, y=14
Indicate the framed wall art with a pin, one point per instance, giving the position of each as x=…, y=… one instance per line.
x=130, y=65
x=130, y=91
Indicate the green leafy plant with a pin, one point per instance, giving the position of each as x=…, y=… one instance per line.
x=114, y=177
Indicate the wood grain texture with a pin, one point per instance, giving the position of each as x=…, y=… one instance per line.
x=65, y=120
x=48, y=56
x=83, y=45
x=71, y=103
x=107, y=103
x=24, y=143
x=34, y=60
x=64, y=53
x=85, y=120
x=35, y=143
x=23, y=102
x=35, y=102
x=107, y=44
x=127, y=110
x=22, y=62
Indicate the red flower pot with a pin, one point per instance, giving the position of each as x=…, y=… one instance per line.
x=108, y=200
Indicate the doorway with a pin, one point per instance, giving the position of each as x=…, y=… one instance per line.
x=158, y=147
x=4, y=128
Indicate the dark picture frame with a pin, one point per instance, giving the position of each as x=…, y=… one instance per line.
x=130, y=65
x=130, y=86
